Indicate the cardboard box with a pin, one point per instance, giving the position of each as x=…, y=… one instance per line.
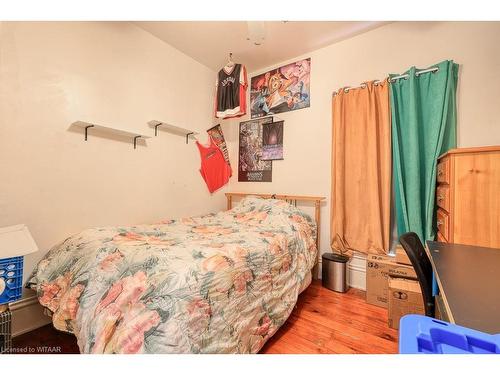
x=378, y=269
x=401, y=256
x=405, y=297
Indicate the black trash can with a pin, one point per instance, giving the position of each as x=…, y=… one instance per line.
x=334, y=272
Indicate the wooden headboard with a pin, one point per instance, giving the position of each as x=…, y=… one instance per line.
x=292, y=199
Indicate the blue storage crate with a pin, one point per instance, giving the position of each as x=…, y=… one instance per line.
x=420, y=334
x=11, y=279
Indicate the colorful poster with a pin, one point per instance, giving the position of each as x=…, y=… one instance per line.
x=272, y=141
x=251, y=167
x=281, y=90
x=218, y=137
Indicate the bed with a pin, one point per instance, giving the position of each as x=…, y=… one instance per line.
x=218, y=283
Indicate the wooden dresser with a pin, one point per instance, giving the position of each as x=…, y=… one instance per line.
x=468, y=196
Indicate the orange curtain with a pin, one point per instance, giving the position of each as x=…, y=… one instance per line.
x=361, y=170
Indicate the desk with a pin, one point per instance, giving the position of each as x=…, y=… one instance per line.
x=469, y=282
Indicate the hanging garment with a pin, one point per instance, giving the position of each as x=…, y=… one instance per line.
x=361, y=170
x=214, y=169
x=217, y=135
x=424, y=120
x=231, y=86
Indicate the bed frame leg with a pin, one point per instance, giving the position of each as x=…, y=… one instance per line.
x=317, y=207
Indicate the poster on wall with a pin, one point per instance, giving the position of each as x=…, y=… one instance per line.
x=216, y=133
x=251, y=167
x=272, y=141
x=284, y=89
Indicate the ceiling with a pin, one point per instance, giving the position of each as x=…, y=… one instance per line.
x=210, y=42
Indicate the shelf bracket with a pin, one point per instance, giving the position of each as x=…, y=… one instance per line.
x=135, y=141
x=156, y=128
x=187, y=137
x=89, y=126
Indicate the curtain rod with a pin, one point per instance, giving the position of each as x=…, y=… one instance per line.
x=390, y=80
x=430, y=70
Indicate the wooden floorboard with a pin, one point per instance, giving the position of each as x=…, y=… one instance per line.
x=328, y=322
x=322, y=322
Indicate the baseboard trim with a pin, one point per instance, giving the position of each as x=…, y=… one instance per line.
x=27, y=315
x=23, y=303
x=357, y=268
x=357, y=271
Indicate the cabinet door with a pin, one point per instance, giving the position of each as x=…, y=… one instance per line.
x=477, y=199
x=443, y=224
x=443, y=170
x=440, y=237
x=443, y=197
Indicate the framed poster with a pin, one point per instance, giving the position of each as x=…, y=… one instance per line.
x=272, y=141
x=284, y=89
x=251, y=167
x=216, y=133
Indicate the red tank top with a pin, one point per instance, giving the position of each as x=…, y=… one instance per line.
x=214, y=168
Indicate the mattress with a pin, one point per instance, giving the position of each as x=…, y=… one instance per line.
x=219, y=283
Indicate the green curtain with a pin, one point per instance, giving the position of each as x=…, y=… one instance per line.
x=424, y=116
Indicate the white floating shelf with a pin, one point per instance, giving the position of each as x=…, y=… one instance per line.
x=106, y=129
x=171, y=129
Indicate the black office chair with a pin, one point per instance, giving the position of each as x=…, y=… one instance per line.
x=423, y=268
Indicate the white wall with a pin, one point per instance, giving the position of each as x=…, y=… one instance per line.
x=392, y=48
x=110, y=73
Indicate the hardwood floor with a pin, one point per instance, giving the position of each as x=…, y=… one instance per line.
x=43, y=339
x=322, y=322
x=328, y=322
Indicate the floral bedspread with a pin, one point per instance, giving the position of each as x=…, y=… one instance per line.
x=220, y=283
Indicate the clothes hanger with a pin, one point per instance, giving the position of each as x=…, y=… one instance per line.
x=230, y=62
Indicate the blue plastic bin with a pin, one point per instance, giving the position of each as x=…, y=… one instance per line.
x=11, y=279
x=420, y=334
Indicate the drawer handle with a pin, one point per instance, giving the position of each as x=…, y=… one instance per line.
x=440, y=171
x=439, y=223
x=440, y=198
